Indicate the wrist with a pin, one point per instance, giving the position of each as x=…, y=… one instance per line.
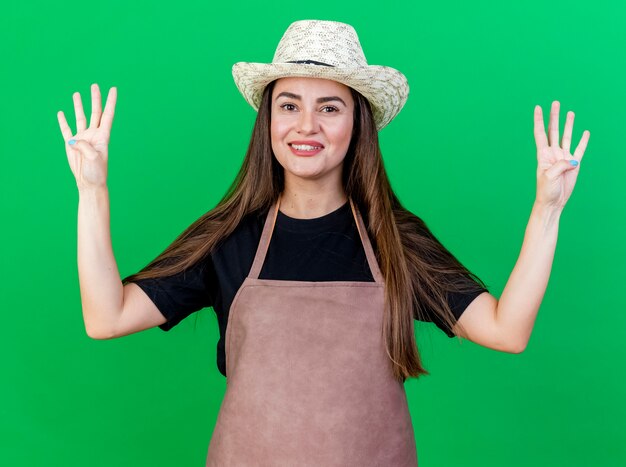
x=91, y=189
x=549, y=214
x=93, y=193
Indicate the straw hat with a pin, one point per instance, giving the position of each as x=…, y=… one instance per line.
x=329, y=50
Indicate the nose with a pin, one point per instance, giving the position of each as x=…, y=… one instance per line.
x=307, y=122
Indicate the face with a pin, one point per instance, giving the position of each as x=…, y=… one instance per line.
x=311, y=127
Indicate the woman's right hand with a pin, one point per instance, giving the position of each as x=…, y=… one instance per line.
x=89, y=155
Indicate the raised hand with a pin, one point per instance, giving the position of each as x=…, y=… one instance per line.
x=556, y=175
x=88, y=156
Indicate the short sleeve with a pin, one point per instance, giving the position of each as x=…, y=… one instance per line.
x=458, y=302
x=179, y=295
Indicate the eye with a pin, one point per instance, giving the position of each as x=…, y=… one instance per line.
x=329, y=109
x=288, y=106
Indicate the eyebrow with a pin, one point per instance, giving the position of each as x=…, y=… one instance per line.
x=320, y=100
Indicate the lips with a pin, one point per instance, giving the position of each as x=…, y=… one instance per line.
x=307, y=144
x=305, y=148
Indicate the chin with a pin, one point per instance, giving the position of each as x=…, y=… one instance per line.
x=301, y=168
x=307, y=175
x=296, y=167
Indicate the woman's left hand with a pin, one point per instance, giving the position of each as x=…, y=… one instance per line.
x=556, y=177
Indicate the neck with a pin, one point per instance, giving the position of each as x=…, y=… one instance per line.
x=308, y=199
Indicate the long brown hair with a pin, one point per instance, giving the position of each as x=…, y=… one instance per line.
x=418, y=270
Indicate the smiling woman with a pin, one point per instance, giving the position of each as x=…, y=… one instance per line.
x=314, y=268
x=311, y=129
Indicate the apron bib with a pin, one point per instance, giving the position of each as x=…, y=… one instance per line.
x=309, y=382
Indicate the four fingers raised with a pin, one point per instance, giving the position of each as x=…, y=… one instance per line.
x=99, y=120
x=542, y=141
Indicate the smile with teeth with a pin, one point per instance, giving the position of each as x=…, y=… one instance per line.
x=305, y=147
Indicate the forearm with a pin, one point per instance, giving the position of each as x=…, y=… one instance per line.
x=101, y=288
x=520, y=300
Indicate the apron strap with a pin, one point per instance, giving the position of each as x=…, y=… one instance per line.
x=264, y=243
x=268, y=229
x=367, y=245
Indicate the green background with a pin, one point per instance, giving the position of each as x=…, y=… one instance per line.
x=461, y=155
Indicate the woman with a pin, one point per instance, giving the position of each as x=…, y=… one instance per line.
x=314, y=268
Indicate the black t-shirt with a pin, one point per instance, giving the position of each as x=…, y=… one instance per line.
x=326, y=248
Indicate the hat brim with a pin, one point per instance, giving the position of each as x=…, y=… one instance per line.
x=384, y=87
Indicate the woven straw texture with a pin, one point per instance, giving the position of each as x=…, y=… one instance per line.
x=336, y=45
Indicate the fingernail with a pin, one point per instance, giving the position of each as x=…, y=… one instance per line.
x=573, y=162
x=72, y=141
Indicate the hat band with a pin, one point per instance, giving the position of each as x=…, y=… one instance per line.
x=309, y=62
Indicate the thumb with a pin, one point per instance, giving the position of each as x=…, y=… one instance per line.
x=84, y=148
x=561, y=166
